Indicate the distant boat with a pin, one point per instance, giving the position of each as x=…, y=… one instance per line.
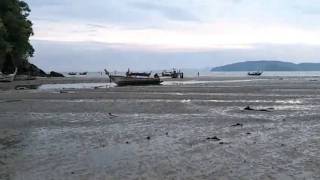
x=72, y=73
x=256, y=73
x=83, y=73
x=172, y=74
x=8, y=77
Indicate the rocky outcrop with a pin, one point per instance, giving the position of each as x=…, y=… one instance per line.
x=31, y=70
x=7, y=65
x=55, y=74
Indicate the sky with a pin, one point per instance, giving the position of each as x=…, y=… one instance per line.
x=72, y=35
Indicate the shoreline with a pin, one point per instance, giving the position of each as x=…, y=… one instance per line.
x=75, y=80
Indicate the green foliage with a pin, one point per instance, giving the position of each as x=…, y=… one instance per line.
x=15, y=30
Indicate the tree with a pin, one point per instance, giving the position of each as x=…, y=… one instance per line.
x=15, y=31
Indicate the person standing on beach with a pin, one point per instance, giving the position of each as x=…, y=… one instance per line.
x=198, y=74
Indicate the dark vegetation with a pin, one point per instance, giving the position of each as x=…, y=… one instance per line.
x=15, y=31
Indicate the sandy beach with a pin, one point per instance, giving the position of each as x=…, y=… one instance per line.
x=190, y=129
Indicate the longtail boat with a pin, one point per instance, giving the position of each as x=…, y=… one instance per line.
x=257, y=73
x=133, y=80
x=8, y=77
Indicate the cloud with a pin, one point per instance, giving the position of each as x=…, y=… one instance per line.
x=179, y=30
x=192, y=36
x=170, y=12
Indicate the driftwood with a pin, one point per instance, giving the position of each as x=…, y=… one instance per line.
x=248, y=108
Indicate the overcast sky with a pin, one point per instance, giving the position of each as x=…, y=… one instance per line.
x=159, y=34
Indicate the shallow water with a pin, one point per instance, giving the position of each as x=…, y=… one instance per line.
x=75, y=86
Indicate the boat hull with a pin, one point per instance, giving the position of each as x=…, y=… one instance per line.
x=133, y=81
x=254, y=73
x=8, y=77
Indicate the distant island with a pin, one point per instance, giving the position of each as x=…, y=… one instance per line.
x=268, y=66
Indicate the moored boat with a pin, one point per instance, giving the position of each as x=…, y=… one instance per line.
x=134, y=81
x=83, y=73
x=256, y=73
x=8, y=77
x=172, y=74
x=72, y=73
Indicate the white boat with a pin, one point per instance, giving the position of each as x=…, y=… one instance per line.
x=8, y=77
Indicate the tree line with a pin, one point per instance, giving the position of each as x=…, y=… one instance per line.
x=15, y=31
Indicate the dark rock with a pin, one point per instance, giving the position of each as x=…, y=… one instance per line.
x=238, y=124
x=127, y=142
x=148, y=137
x=167, y=133
x=31, y=70
x=221, y=142
x=248, y=133
x=55, y=74
x=215, y=138
x=8, y=65
x=112, y=116
x=248, y=108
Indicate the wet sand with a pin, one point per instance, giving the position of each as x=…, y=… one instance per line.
x=181, y=130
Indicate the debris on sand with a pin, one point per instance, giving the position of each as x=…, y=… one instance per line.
x=214, y=138
x=112, y=115
x=148, y=137
x=248, y=133
x=167, y=133
x=98, y=87
x=238, y=124
x=27, y=87
x=127, y=142
x=11, y=101
x=248, y=108
x=63, y=92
